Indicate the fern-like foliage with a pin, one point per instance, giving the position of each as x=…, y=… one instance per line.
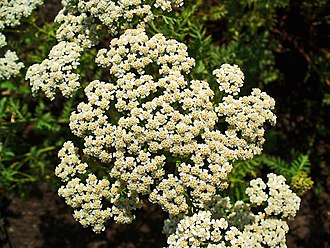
x=296, y=172
x=288, y=170
x=45, y=122
x=68, y=107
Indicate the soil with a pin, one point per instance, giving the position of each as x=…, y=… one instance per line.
x=43, y=220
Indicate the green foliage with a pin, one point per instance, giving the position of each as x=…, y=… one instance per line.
x=45, y=122
x=326, y=99
x=23, y=157
x=30, y=129
x=288, y=170
x=12, y=171
x=241, y=34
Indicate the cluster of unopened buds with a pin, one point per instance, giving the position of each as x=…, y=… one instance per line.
x=158, y=136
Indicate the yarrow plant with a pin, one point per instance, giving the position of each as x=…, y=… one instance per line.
x=155, y=135
x=11, y=13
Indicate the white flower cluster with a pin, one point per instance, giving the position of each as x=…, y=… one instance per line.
x=246, y=117
x=197, y=230
x=224, y=225
x=87, y=195
x=238, y=214
x=70, y=162
x=128, y=123
x=230, y=78
x=2, y=40
x=128, y=13
x=280, y=199
x=166, y=5
x=11, y=13
x=56, y=72
x=170, y=195
x=117, y=15
x=201, y=230
x=81, y=29
x=134, y=52
x=9, y=66
x=81, y=23
x=221, y=208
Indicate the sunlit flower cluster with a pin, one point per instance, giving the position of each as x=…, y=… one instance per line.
x=70, y=162
x=56, y=71
x=87, y=196
x=134, y=52
x=246, y=117
x=198, y=229
x=129, y=13
x=157, y=133
x=2, y=40
x=9, y=65
x=170, y=195
x=280, y=199
x=81, y=29
x=230, y=78
x=11, y=13
x=225, y=225
x=111, y=13
x=81, y=22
